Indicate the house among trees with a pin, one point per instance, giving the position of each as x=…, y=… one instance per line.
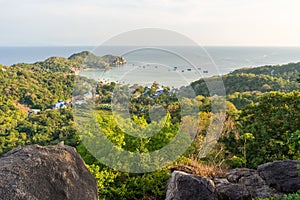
x=33, y=112
x=60, y=104
x=157, y=92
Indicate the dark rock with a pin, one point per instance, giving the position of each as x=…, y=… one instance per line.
x=281, y=175
x=244, y=184
x=53, y=172
x=270, y=180
x=183, y=186
x=235, y=175
x=232, y=192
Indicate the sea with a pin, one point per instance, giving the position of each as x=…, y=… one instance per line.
x=172, y=66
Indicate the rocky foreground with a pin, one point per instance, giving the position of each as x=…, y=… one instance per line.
x=45, y=173
x=270, y=179
x=59, y=173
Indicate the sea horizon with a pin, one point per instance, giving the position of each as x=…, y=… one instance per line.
x=225, y=58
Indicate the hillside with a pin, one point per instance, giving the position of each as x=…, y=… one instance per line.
x=259, y=79
x=262, y=120
x=289, y=71
x=88, y=60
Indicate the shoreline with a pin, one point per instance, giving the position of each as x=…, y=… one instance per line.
x=78, y=71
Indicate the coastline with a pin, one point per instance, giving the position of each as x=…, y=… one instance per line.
x=78, y=71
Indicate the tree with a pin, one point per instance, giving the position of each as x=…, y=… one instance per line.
x=272, y=122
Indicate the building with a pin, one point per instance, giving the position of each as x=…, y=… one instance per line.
x=33, y=112
x=60, y=104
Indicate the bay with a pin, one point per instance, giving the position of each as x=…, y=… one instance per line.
x=164, y=65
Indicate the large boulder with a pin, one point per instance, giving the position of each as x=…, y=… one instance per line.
x=183, y=186
x=53, y=172
x=244, y=184
x=281, y=175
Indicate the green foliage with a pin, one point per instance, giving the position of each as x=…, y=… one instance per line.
x=42, y=84
x=263, y=79
x=293, y=196
x=274, y=123
x=114, y=127
x=246, y=137
x=240, y=100
x=293, y=143
x=245, y=83
x=87, y=59
x=260, y=125
x=39, y=85
x=58, y=64
x=287, y=72
x=49, y=127
x=236, y=162
x=268, y=198
x=113, y=184
x=35, y=86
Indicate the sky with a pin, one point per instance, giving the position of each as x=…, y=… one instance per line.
x=207, y=22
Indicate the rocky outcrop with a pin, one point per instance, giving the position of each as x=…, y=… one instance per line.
x=186, y=186
x=271, y=179
x=281, y=175
x=243, y=184
x=53, y=172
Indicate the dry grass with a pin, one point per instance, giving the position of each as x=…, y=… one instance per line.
x=146, y=197
x=22, y=107
x=196, y=167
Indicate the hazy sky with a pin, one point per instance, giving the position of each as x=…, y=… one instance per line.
x=208, y=22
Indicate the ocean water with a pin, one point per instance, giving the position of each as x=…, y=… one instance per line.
x=171, y=66
x=179, y=66
x=13, y=55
